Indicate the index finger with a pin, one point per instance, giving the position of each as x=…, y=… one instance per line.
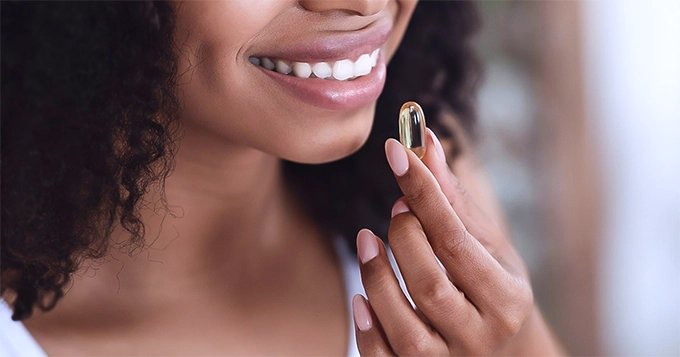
x=471, y=266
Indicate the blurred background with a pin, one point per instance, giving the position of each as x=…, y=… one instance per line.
x=580, y=132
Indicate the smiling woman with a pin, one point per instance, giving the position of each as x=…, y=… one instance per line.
x=191, y=172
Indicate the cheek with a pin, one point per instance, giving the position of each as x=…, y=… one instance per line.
x=210, y=36
x=405, y=10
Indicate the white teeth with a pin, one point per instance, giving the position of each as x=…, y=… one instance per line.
x=283, y=67
x=343, y=70
x=254, y=60
x=302, y=69
x=374, y=57
x=340, y=70
x=322, y=70
x=362, y=66
x=267, y=63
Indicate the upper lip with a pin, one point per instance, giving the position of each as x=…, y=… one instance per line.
x=332, y=47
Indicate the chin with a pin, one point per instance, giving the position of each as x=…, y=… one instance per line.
x=328, y=144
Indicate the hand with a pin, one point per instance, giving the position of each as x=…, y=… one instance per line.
x=473, y=303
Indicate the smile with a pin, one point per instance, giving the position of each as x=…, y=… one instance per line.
x=341, y=70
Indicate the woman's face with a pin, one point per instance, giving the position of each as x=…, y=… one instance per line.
x=312, y=120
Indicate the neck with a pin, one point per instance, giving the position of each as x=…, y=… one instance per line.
x=231, y=229
x=228, y=202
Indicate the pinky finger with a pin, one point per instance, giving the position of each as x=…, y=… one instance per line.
x=371, y=339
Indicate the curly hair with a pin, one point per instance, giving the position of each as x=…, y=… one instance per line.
x=90, y=125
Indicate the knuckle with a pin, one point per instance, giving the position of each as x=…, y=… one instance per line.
x=511, y=323
x=516, y=310
x=453, y=244
x=435, y=294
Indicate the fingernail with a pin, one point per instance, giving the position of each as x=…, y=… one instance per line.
x=437, y=145
x=362, y=315
x=396, y=157
x=367, y=245
x=399, y=207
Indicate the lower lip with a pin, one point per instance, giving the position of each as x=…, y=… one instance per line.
x=332, y=94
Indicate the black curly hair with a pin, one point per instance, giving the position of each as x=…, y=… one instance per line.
x=90, y=125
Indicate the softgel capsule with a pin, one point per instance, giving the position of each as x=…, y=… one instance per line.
x=412, y=128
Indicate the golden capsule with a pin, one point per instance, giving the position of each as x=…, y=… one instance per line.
x=412, y=128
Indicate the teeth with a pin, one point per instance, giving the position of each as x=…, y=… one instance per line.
x=343, y=70
x=267, y=63
x=362, y=66
x=374, y=57
x=283, y=67
x=322, y=70
x=340, y=70
x=302, y=70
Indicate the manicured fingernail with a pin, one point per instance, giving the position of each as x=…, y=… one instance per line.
x=396, y=157
x=367, y=245
x=437, y=145
x=362, y=314
x=399, y=207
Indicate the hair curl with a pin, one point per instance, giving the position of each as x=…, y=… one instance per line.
x=90, y=123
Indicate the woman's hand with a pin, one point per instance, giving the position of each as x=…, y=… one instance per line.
x=474, y=303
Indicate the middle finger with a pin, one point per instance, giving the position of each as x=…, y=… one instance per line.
x=434, y=294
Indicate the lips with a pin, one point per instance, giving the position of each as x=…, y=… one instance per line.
x=345, y=48
x=333, y=47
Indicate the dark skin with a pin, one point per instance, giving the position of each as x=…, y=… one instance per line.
x=479, y=302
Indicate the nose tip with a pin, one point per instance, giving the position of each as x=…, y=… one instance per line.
x=361, y=7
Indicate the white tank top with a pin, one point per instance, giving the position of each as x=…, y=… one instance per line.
x=16, y=341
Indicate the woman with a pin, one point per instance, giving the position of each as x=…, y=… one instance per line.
x=158, y=196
